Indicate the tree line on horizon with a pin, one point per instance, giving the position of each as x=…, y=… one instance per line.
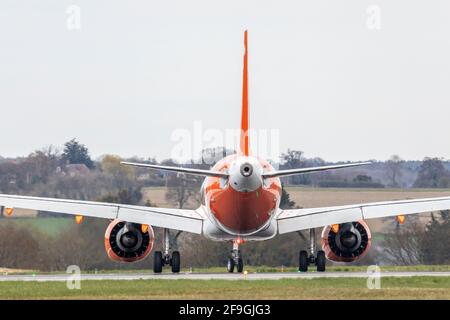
x=40, y=166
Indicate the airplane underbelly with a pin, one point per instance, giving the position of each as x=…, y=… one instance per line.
x=242, y=213
x=215, y=233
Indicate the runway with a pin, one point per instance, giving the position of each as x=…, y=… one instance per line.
x=214, y=276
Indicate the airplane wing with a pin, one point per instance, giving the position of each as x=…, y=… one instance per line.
x=301, y=219
x=178, y=219
x=194, y=171
x=290, y=172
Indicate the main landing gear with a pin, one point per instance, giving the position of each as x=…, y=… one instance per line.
x=235, y=259
x=161, y=259
x=319, y=260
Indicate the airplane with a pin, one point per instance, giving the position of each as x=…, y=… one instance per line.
x=240, y=199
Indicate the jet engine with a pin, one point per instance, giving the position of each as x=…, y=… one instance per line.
x=346, y=242
x=128, y=242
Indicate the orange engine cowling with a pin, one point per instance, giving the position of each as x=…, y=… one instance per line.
x=128, y=242
x=346, y=242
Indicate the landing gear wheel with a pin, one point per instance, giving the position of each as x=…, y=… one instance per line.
x=230, y=265
x=175, y=262
x=320, y=261
x=157, y=262
x=303, y=261
x=240, y=265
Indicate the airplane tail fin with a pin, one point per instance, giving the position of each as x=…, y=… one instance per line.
x=244, y=143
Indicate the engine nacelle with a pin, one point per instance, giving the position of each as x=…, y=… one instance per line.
x=346, y=242
x=128, y=242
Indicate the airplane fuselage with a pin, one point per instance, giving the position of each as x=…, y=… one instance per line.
x=243, y=205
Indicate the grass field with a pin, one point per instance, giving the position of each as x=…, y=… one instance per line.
x=342, y=288
x=317, y=197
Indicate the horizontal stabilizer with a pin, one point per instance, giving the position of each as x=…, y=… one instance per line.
x=290, y=172
x=194, y=171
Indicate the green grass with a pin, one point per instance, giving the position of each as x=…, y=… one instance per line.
x=342, y=288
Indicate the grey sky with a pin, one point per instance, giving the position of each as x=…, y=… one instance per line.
x=137, y=70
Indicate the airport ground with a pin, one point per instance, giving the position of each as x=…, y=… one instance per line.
x=339, y=282
x=416, y=287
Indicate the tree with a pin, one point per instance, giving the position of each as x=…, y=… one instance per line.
x=393, y=166
x=41, y=164
x=435, y=244
x=403, y=246
x=432, y=174
x=121, y=175
x=19, y=249
x=77, y=153
x=362, y=178
x=124, y=196
x=13, y=177
x=180, y=189
x=285, y=201
x=150, y=203
x=293, y=159
x=418, y=244
x=111, y=165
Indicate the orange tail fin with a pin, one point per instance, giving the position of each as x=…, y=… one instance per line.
x=244, y=117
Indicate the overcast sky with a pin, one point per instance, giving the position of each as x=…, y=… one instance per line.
x=332, y=84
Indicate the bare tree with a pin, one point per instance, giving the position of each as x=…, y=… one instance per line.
x=394, y=165
x=418, y=244
x=19, y=249
x=294, y=159
x=403, y=246
x=180, y=189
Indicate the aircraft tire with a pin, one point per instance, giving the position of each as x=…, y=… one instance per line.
x=157, y=262
x=303, y=261
x=230, y=265
x=240, y=266
x=176, y=261
x=320, y=261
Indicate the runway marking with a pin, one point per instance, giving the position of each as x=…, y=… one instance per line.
x=215, y=276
